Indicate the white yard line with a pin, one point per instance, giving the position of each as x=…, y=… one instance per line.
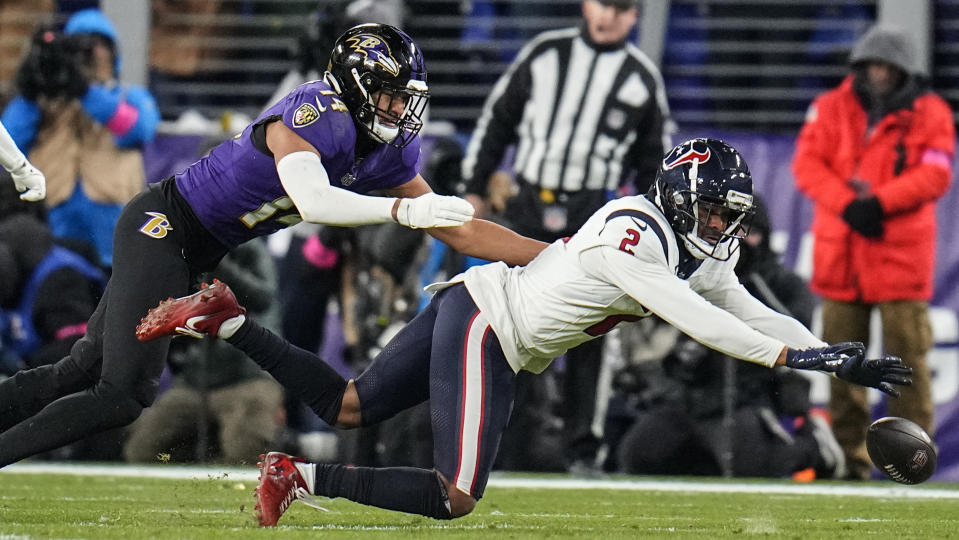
x=249, y=474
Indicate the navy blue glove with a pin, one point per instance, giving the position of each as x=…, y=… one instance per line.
x=865, y=217
x=816, y=357
x=847, y=360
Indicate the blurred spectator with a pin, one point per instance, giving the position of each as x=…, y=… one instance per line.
x=179, y=30
x=47, y=292
x=764, y=276
x=874, y=156
x=18, y=18
x=82, y=127
x=700, y=412
x=378, y=298
x=588, y=112
x=216, y=389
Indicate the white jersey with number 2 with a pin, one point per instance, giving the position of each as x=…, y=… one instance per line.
x=624, y=263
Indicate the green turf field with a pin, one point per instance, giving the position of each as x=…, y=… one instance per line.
x=199, y=503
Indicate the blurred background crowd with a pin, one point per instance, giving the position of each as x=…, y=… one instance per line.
x=191, y=73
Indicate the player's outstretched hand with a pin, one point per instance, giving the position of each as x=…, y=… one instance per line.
x=432, y=210
x=30, y=182
x=848, y=361
x=881, y=373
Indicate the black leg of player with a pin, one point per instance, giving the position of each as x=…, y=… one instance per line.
x=129, y=369
x=302, y=373
x=30, y=390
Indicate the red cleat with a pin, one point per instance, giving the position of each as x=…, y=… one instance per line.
x=194, y=315
x=281, y=483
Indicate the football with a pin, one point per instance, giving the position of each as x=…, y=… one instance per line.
x=901, y=449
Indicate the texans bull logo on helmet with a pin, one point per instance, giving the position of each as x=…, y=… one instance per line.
x=696, y=150
x=375, y=49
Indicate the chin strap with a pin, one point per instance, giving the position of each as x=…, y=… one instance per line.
x=331, y=80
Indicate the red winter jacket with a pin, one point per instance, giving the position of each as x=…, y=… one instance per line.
x=833, y=148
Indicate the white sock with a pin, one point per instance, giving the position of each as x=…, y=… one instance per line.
x=230, y=326
x=308, y=472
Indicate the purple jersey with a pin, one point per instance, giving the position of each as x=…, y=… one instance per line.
x=236, y=193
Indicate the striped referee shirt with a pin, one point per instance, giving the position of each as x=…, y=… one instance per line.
x=583, y=117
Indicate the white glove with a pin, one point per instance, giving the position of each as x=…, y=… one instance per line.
x=30, y=182
x=432, y=210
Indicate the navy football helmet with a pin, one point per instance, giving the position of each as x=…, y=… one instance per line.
x=380, y=74
x=704, y=189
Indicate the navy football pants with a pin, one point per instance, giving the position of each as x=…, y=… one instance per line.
x=449, y=355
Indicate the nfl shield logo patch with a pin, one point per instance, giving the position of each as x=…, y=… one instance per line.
x=305, y=115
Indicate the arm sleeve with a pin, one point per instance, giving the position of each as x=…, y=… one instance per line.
x=496, y=127
x=10, y=156
x=306, y=182
x=732, y=297
x=131, y=114
x=22, y=120
x=645, y=276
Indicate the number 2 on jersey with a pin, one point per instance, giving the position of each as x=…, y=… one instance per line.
x=632, y=238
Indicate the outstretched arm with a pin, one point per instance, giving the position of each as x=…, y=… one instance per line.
x=29, y=181
x=477, y=238
x=847, y=361
x=489, y=241
x=730, y=295
x=301, y=171
x=658, y=290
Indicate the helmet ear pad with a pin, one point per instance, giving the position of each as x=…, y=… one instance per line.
x=371, y=83
x=675, y=203
x=365, y=112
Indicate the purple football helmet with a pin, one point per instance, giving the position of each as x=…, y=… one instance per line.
x=380, y=74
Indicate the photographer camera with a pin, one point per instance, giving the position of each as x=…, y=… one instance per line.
x=57, y=66
x=82, y=127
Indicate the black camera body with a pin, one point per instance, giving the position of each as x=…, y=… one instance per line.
x=56, y=66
